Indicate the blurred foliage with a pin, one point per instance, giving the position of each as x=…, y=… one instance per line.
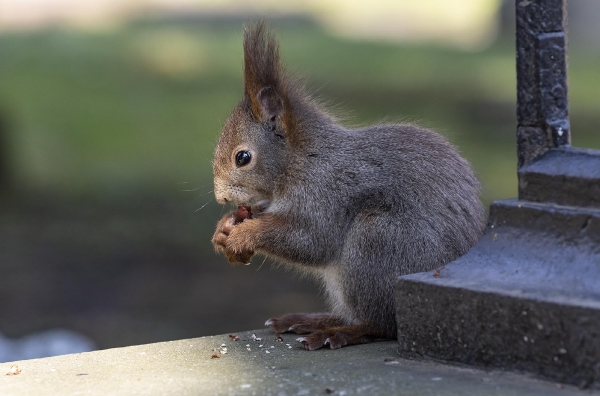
x=140, y=108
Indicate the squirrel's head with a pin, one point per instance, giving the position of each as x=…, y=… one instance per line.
x=252, y=153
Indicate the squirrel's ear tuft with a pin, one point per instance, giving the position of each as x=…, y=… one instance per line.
x=263, y=76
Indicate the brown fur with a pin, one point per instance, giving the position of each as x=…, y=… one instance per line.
x=261, y=65
x=304, y=323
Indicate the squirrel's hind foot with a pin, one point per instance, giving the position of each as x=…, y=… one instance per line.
x=324, y=329
x=341, y=336
x=304, y=323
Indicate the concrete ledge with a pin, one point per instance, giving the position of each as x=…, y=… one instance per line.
x=185, y=367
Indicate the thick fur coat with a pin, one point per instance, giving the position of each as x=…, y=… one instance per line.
x=354, y=207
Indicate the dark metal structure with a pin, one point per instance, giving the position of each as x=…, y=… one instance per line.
x=542, y=102
x=527, y=296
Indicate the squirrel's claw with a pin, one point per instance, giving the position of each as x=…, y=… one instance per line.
x=314, y=341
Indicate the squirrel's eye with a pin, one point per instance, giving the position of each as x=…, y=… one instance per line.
x=243, y=158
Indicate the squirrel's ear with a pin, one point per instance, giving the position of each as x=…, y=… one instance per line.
x=264, y=83
x=271, y=105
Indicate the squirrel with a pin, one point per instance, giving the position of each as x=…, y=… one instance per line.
x=355, y=208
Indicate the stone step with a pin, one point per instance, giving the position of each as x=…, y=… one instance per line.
x=565, y=176
x=525, y=298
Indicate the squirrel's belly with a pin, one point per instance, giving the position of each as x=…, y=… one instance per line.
x=335, y=293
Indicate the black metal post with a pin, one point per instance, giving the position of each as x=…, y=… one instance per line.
x=542, y=102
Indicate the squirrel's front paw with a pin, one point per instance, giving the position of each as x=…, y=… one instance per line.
x=238, y=247
x=224, y=228
x=234, y=245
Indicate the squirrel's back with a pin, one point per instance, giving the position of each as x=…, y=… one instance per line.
x=399, y=168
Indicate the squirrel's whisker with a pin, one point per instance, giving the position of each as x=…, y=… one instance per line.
x=260, y=266
x=201, y=207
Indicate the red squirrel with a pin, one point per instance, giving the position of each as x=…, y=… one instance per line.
x=354, y=208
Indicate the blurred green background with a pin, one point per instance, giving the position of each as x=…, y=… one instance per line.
x=106, y=139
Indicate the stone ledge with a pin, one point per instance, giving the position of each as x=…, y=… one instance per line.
x=564, y=176
x=524, y=298
x=185, y=367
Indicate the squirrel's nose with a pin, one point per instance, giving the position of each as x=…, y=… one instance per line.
x=221, y=199
x=222, y=192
